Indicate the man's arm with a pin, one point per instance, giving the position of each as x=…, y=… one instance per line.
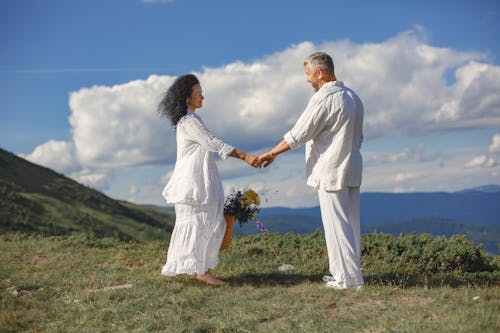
x=309, y=124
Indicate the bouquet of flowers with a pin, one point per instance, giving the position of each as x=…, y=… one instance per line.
x=242, y=206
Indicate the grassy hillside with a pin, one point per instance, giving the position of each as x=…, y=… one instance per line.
x=35, y=199
x=84, y=284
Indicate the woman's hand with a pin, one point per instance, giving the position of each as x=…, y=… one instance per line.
x=250, y=159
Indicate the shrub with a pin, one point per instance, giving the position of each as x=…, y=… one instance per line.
x=409, y=260
x=425, y=253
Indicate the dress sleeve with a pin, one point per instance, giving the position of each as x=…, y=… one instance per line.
x=309, y=124
x=200, y=133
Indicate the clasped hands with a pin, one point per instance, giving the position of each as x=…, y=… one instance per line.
x=264, y=159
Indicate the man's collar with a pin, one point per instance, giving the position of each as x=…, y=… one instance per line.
x=337, y=83
x=332, y=83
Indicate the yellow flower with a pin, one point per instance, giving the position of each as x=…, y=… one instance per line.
x=244, y=205
x=252, y=197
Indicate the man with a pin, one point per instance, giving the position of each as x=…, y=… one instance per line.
x=331, y=127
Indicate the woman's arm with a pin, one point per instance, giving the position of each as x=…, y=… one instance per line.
x=199, y=132
x=202, y=135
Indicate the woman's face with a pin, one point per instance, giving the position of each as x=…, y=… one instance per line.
x=195, y=101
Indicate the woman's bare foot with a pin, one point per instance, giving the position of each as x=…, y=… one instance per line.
x=209, y=279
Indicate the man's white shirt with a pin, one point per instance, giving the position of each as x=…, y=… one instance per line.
x=331, y=127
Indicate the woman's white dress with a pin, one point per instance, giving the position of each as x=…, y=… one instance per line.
x=196, y=190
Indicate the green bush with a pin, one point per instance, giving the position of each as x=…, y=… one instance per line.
x=410, y=260
x=425, y=253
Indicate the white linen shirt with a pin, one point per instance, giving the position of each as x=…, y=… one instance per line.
x=195, y=174
x=332, y=128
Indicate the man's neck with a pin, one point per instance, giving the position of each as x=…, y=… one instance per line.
x=327, y=77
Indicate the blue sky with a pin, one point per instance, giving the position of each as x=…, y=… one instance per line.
x=79, y=81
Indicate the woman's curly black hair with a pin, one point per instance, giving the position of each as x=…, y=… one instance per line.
x=173, y=105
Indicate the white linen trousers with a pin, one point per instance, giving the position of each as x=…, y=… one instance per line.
x=341, y=221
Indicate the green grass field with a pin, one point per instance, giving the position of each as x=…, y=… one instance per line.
x=62, y=284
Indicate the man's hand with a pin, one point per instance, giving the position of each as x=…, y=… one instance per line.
x=267, y=158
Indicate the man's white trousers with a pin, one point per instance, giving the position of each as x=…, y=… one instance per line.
x=341, y=220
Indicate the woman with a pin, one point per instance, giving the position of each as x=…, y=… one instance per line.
x=195, y=186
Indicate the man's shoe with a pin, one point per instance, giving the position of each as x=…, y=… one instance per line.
x=336, y=285
x=328, y=278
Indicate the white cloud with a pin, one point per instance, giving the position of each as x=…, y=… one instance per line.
x=118, y=126
x=483, y=161
x=495, y=145
x=57, y=155
x=417, y=154
x=99, y=179
x=440, y=175
x=402, y=176
x=473, y=101
x=489, y=159
x=402, y=81
x=251, y=105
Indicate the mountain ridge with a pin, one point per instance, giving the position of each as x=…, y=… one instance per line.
x=36, y=199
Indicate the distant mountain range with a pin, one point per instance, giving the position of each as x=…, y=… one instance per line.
x=477, y=205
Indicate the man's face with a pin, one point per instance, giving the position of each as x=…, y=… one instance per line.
x=313, y=77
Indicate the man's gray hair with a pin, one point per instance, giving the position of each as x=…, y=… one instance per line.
x=320, y=60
